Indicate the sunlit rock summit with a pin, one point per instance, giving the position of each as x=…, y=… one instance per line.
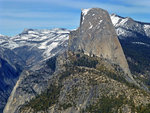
x=96, y=36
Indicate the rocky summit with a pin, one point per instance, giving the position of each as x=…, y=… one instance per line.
x=97, y=36
x=92, y=76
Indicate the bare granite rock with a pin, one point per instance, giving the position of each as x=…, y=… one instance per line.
x=97, y=36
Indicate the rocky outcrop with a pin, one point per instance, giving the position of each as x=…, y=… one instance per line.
x=96, y=36
x=30, y=84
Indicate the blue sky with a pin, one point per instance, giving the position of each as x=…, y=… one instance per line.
x=15, y=15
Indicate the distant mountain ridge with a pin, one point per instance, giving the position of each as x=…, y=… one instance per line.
x=24, y=51
x=126, y=26
x=40, y=39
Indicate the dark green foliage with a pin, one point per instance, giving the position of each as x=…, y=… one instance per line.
x=147, y=82
x=116, y=74
x=113, y=104
x=78, y=55
x=52, y=63
x=45, y=99
x=65, y=106
x=92, y=62
x=106, y=105
x=65, y=74
x=78, y=60
x=85, y=61
x=92, y=82
x=143, y=109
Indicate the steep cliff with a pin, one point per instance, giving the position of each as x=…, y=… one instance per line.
x=134, y=37
x=11, y=66
x=96, y=36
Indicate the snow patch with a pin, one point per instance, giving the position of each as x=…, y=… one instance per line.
x=114, y=19
x=63, y=31
x=117, y=21
x=2, y=35
x=147, y=30
x=124, y=21
x=90, y=25
x=141, y=43
x=49, y=48
x=43, y=45
x=146, y=27
x=73, y=29
x=93, y=14
x=84, y=12
x=31, y=32
x=100, y=21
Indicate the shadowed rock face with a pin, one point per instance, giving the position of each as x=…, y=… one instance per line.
x=96, y=36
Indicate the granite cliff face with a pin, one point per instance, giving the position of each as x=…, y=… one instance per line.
x=30, y=84
x=96, y=36
x=134, y=37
